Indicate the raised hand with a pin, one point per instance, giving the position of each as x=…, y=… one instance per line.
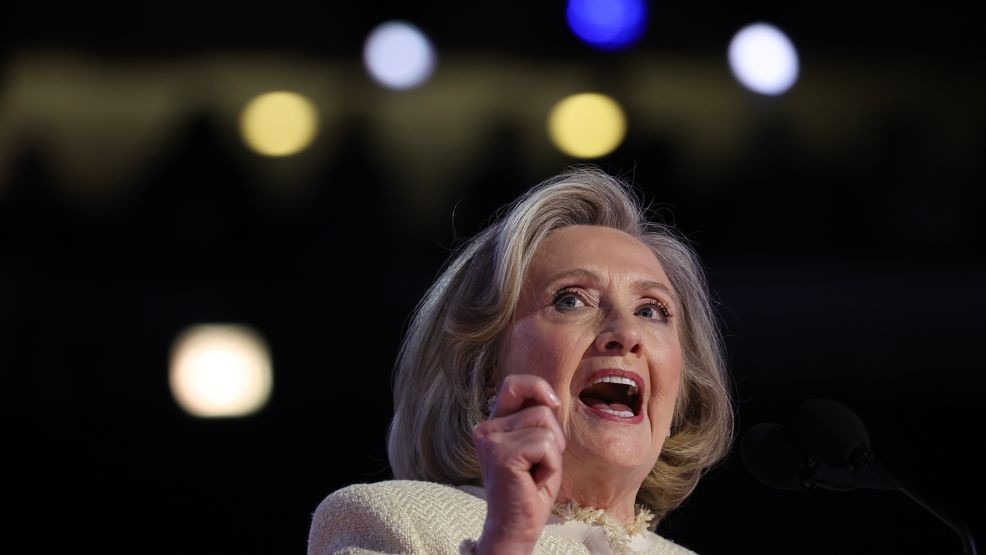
x=520, y=453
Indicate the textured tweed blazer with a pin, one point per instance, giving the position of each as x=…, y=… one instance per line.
x=428, y=518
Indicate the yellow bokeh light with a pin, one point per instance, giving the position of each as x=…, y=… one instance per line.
x=587, y=125
x=279, y=123
x=220, y=370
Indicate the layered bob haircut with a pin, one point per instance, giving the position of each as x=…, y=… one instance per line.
x=445, y=370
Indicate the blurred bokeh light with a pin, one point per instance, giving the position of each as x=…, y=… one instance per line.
x=763, y=59
x=587, y=125
x=220, y=371
x=607, y=24
x=279, y=123
x=398, y=55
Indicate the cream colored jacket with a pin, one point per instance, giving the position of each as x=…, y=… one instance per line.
x=429, y=518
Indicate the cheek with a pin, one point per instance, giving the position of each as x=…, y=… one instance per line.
x=540, y=350
x=668, y=366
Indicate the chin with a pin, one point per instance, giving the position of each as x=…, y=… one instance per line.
x=623, y=448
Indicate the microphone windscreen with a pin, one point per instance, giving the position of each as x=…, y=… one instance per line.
x=772, y=456
x=830, y=431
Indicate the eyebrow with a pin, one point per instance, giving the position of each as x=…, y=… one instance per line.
x=582, y=273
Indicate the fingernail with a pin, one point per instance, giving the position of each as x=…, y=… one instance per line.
x=554, y=398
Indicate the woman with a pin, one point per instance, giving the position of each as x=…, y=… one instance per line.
x=560, y=390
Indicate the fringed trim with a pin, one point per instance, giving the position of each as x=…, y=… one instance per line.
x=617, y=534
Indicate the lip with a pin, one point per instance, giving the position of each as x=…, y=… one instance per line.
x=605, y=372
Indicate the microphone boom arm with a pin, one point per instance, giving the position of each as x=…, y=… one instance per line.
x=923, y=499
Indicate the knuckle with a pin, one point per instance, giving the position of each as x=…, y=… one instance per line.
x=544, y=439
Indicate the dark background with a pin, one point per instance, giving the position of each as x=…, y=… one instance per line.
x=848, y=266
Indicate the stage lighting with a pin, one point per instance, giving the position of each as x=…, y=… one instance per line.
x=220, y=371
x=398, y=55
x=607, y=24
x=763, y=59
x=279, y=123
x=587, y=125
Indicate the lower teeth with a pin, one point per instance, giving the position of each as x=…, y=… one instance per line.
x=620, y=413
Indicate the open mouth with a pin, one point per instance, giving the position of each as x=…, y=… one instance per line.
x=616, y=394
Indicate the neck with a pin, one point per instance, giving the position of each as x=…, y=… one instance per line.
x=601, y=490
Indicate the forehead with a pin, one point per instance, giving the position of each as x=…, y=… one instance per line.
x=602, y=250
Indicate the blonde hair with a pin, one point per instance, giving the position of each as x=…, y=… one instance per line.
x=445, y=369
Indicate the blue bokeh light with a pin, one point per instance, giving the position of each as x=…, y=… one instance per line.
x=607, y=24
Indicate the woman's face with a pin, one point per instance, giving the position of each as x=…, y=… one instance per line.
x=597, y=319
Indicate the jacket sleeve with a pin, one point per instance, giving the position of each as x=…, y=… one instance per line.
x=355, y=520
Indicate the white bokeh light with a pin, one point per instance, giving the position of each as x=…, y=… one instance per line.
x=763, y=59
x=220, y=370
x=398, y=55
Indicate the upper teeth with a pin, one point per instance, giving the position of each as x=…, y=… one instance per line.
x=619, y=380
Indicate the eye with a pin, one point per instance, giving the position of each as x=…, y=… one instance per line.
x=655, y=310
x=568, y=299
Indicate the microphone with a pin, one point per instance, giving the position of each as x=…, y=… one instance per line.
x=828, y=446
x=832, y=432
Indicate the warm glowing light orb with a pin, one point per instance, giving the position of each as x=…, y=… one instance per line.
x=587, y=125
x=607, y=24
x=398, y=55
x=763, y=59
x=279, y=123
x=220, y=370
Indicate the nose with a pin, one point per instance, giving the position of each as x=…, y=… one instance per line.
x=620, y=335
